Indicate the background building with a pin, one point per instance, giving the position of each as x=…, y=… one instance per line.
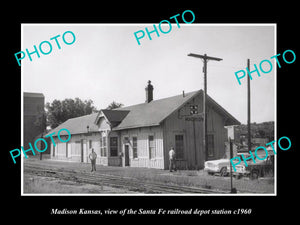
x=33, y=117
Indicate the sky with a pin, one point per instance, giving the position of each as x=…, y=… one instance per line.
x=105, y=64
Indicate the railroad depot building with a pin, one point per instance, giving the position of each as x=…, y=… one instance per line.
x=141, y=135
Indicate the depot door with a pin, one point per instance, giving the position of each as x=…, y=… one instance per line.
x=83, y=149
x=126, y=155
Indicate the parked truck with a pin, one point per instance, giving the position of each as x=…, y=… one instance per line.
x=260, y=168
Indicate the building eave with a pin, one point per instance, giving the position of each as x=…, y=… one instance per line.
x=136, y=126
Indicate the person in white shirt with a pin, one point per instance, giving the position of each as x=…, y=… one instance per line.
x=172, y=159
x=93, y=157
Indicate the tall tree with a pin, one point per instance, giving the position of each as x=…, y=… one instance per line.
x=60, y=111
x=114, y=105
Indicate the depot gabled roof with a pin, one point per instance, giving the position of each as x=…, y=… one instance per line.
x=140, y=115
x=155, y=112
x=78, y=125
x=112, y=116
x=152, y=113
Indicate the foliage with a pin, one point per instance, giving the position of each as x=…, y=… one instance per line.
x=114, y=105
x=60, y=111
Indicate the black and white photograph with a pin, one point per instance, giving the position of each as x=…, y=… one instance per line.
x=168, y=111
x=140, y=112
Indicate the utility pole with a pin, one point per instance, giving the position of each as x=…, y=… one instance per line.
x=205, y=59
x=248, y=107
x=232, y=189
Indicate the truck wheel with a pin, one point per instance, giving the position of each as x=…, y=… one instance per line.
x=254, y=175
x=239, y=176
x=223, y=172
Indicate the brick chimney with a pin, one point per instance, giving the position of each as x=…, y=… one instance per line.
x=149, y=92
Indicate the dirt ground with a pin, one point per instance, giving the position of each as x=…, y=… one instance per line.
x=50, y=185
x=193, y=178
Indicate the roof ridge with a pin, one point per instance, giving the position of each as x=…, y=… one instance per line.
x=146, y=103
x=176, y=101
x=194, y=93
x=82, y=116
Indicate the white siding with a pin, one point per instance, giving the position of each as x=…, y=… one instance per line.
x=143, y=159
x=142, y=134
x=74, y=149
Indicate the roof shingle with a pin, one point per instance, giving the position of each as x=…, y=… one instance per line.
x=140, y=115
x=152, y=113
x=78, y=125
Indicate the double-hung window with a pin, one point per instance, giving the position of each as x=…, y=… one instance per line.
x=113, y=146
x=134, y=147
x=210, y=145
x=103, y=146
x=179, y=146
x=151, y=143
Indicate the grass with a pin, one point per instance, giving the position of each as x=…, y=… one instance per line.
x=197, y=179
x=48, y=185
x=202, y=179
x=181, y=178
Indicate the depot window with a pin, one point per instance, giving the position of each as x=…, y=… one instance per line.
x=113, y=146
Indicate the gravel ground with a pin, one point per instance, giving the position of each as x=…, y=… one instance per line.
x=184, y=177
x=49, y=185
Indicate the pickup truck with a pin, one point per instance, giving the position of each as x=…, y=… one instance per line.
x=254, y=170
x=218, y=166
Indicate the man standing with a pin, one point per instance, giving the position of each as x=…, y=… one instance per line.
x=172, y=159
x=93, y=157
